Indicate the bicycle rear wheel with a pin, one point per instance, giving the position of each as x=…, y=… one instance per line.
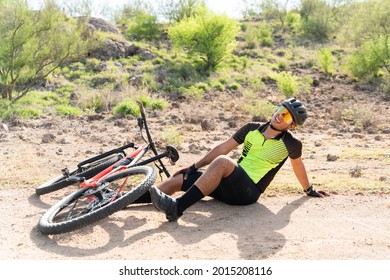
x=89, y=205
x=63, y=181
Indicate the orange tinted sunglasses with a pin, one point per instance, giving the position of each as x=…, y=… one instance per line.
x=287, y=118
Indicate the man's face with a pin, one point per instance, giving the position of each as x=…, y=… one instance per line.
x=282, y=119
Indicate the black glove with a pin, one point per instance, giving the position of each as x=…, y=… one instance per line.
x=314, y=193
x=187, y=171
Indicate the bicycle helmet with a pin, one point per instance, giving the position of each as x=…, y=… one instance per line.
x=296, y=109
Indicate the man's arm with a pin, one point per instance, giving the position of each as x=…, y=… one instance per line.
x=300, y=172
x=222, y=149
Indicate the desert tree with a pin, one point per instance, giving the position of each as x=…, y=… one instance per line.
x=34, y=44
x=211, y=37
x=368, y=30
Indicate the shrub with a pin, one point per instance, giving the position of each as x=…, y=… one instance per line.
x=219, y=86
x=294, y=21
x=127, y=107
x=192, y=92
x=370, y=58
x=234, y=86
x=143, y=27
x=152, y=103
x=287, y=83
x=326, y=61
x=64, y=110
x=171, y=136
x=317, y=19
x=207, y=35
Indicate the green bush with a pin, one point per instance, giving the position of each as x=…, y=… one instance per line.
x=219, y=86
x=155, y=104
x=64, y=110
x=251, y=37
x=207, y=35
x=266, y=39
x=287, y=83
x=370, y=58
x=234, y=86
x=127, y=107
x=317, y=20
x=143, y=27
x=326, y=61
x=293, y=20
x=192, y=92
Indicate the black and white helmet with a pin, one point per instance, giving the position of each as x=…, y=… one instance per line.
x=296, y=109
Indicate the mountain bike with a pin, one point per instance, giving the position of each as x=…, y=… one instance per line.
x=107, y=190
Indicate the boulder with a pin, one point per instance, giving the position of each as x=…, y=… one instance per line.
x=113, y=47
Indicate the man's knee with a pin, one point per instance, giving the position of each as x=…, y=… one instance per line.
x=225, y=164
x=224, y=161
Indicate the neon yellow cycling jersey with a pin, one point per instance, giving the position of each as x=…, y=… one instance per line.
x=262, y=158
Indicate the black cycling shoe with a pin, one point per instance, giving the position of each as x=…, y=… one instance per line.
x=164, y=203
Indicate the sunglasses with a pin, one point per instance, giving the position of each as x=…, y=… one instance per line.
x=286, y=116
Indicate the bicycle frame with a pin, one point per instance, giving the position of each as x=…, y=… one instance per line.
x=130, y=160
x=116, y=167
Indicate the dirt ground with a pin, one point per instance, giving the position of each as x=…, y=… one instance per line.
x=353, y=165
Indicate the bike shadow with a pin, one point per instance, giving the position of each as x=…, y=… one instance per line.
x=254, y=229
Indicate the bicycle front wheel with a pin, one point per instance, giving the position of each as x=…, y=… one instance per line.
x=62, y=181
x=89, y=205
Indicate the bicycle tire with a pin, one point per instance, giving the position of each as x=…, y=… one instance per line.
x=52, y=221
x=62, y=181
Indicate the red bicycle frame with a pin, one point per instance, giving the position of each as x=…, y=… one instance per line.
x=116, y=167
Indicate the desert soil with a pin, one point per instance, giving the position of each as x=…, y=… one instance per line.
x=352, y=164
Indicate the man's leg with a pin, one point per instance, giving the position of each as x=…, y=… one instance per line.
x=169, y=186
x=221, y=167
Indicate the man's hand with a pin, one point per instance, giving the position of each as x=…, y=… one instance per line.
x=187, y=171
x=314, y=193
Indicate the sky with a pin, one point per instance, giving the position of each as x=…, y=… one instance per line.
x=232, y=8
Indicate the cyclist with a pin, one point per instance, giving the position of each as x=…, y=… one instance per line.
x=266, y=148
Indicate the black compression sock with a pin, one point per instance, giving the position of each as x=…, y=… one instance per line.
x=145, y=198
x=191, y=196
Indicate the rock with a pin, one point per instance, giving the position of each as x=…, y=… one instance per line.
x=316, y=82
x=386, y=130
x=111, y=48
x=5, y=127
x=48, y=138
x=357, y=135
x=100, y=24
x=206, y=125
x=356, y=172
x=331, y=157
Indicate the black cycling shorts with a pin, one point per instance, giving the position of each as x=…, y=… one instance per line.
x=235, y=189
